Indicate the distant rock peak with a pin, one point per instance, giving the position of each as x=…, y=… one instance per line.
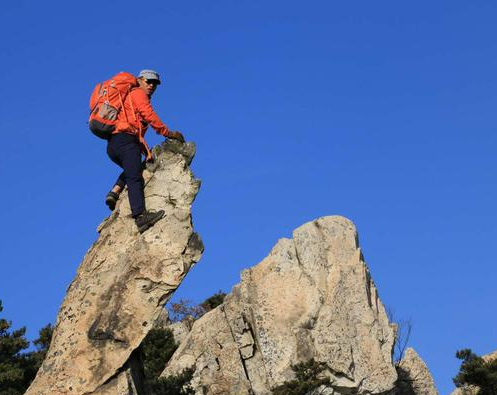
x=312, y=297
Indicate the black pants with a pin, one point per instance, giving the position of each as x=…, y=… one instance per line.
x=124, y=150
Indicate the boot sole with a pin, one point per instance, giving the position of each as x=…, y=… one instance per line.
x=148, y=225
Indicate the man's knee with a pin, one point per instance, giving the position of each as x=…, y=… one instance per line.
x=134, y=179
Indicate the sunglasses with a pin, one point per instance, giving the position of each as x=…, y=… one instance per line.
x=152, y=82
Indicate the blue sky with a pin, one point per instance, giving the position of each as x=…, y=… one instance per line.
x=383, y=112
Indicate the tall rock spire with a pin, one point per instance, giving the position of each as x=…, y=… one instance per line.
x=123, y=283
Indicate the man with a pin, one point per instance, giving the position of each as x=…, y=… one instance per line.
x=127, y=144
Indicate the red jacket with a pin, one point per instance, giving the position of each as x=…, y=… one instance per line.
x=135, y=116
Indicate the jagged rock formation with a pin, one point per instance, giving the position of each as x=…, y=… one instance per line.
x=122, y=285
x=414, y=376
x=312, y=297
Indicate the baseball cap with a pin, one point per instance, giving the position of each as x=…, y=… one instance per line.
x=150, y=75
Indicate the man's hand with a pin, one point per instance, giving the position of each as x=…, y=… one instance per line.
x=177, y=136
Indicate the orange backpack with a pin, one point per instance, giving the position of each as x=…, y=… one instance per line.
x=106, y=101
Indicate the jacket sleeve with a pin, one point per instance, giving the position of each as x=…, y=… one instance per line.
x=144, y=108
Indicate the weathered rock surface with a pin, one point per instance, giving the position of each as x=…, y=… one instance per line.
x=490, y=357
x=122, y=285
x=312, y=297
x=414, y=376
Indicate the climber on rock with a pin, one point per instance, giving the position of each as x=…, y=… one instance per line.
x=127, y=143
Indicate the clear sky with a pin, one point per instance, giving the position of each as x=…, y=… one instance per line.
x=383, y=112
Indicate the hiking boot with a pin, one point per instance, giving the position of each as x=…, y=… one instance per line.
x=111, y=200
x=148, y=219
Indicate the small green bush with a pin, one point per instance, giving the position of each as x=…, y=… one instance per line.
x=157, y=348
x=308, y=378
x=476, y=371
x=213, y=301
x=184, y=308
x=17, y=367
x=173, y=385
